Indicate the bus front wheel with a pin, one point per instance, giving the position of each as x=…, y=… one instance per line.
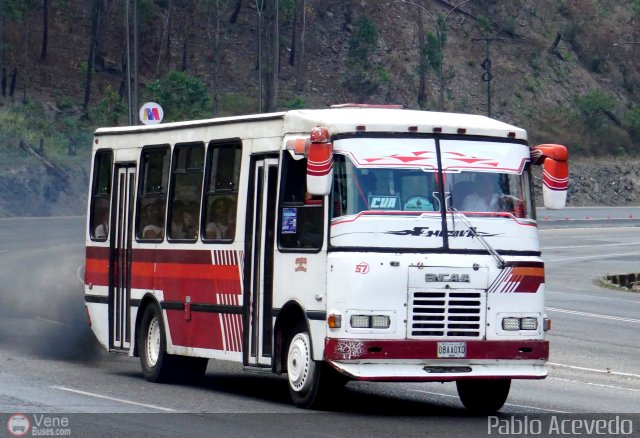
x=302, y=371
x=483, y=396
x=310, y=382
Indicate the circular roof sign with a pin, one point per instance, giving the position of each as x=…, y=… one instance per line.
x=151, y=113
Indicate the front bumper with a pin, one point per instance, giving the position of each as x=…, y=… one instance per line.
x=417, y=360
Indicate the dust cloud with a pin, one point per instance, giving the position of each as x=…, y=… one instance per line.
x=41, y=293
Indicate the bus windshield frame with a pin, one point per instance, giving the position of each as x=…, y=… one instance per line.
x=483, y=177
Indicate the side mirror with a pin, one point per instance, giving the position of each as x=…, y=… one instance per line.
x=555, y=174
x=319, y=163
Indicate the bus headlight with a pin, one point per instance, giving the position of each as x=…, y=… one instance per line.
x=360, y=321
x=529, y=324
x=370, y=321
x=516, y=324
x=380, y=321
x=511, y=324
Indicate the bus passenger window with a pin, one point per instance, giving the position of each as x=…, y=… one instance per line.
x=301, y=214
x=152, y=193
x=221, y=191
x=101, y=195
x=186, y=189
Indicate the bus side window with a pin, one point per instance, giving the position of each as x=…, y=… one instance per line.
x=101, y=195
x=152, y=193
x=221, y=191
x=301, y=214
x=186, y=189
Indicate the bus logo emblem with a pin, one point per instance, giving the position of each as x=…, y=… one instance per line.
x=301, y=264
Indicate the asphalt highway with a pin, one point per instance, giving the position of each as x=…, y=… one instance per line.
x=50, y=363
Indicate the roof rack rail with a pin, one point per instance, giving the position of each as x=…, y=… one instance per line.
x=367, y=105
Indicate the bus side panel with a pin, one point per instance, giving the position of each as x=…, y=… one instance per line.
x=210, y=282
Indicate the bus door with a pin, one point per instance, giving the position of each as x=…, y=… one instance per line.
x=260, y=242
x=120, y=266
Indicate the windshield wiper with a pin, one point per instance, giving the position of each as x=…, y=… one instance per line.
x=501, y=262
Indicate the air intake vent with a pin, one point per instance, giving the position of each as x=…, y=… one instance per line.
x=446, y=313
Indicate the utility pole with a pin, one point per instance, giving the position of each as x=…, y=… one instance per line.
x=132, y=76
x=128, y=56
x=486, y=66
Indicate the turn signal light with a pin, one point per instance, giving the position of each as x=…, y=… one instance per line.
x=334, y=321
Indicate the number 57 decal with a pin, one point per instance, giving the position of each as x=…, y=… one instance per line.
x=362, y=268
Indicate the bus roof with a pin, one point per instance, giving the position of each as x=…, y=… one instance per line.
x=351, y=119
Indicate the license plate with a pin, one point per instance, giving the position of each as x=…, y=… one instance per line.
x=452, y=349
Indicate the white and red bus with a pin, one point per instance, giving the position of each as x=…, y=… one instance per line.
x=363, y=243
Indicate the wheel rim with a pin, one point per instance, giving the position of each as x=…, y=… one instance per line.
x=153, y=342
x=299, y=363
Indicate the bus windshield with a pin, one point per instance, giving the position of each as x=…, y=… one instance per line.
x=480, y=178
x=490, y=193
x=382, y=189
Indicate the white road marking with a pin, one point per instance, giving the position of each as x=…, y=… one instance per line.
x=91, y=394
x=506, y=404
x=593, y=370
x=593, y=315
x=539, y=409
x=608, y=298
x=600, y=385
x=599, y=256
x=589, y=230
x=52, y=321
x=597, y=245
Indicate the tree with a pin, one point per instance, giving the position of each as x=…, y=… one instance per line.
x=259, y=11
x=215, y=59
x=303, y=30
x=236, y=12
x=111, y=110
x=182, y=97
x=45, y=29
x=423, y=67
x=273, y=57
x=363, y=76
x=95, y=22
x=166, y=35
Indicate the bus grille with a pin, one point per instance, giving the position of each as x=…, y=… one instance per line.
x=446, y=313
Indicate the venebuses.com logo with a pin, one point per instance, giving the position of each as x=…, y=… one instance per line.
x=38, y=425
x=18, y=425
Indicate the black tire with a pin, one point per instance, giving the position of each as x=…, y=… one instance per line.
x=483, y=396
x=157, y=365
x=310, y=381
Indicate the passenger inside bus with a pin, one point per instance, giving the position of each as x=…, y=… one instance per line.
x=221, y=219
x=153, y=221
x=101, y=218
x=183, y=221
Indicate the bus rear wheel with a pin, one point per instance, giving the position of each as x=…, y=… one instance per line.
x=156, y=363
x=483, y=396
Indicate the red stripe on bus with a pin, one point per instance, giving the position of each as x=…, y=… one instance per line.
x=97, y=252
x=201, y=291
x=151, y=255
